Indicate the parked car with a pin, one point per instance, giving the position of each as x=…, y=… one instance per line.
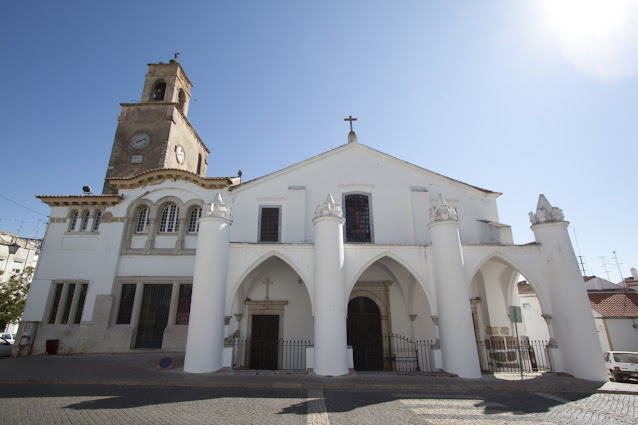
x=621, y=365
x=9, y=337
x=5, y=348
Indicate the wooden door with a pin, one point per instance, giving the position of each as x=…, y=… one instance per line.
x=264, y=342
x=364, y=334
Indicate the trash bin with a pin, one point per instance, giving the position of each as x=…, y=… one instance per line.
x=52, y=346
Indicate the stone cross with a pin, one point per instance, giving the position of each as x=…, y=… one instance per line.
x=267, y=282
x=350, y=119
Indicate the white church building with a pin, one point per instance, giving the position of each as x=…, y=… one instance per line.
x=348, y=246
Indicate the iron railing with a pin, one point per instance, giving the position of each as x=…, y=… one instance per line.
x=508, y=354
x=269, y=354
x=392, y=353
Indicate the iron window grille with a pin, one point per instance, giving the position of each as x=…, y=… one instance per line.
x=127, y=298
x=80, y=309
x=269, y=224
x=358, y=224
x=56, y=302
x=184, y=304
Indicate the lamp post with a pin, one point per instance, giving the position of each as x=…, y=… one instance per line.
x=13, y=248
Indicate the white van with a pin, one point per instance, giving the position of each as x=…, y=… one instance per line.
x=621, y=365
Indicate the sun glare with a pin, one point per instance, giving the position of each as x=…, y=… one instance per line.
x=598, y=37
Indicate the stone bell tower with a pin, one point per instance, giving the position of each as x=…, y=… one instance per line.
x=155, y=133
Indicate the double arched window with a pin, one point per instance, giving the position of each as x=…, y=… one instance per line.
x=169, y=221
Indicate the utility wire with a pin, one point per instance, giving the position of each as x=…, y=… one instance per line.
x=26, y=208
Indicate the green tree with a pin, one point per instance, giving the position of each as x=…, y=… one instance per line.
x=13, y=297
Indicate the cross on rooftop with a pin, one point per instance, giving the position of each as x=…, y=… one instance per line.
x=350, y=119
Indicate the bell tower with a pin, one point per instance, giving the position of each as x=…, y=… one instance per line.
x=155, y=133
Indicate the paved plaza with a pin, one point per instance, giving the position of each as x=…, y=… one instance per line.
x=129, y=388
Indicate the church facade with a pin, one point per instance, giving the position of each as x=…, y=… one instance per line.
x=349, y=244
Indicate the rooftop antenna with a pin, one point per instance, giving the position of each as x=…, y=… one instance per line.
x=581, y=261
x=622, y=280
x=605, y=267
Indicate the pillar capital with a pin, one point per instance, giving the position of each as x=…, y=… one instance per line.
x=545, y=213
x=216, y=209
x=442, y=212
x=329, y=210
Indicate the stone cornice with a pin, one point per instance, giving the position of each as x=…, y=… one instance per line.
x=161, y=174
x=80, y=200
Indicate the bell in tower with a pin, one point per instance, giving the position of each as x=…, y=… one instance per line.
x=155, y=133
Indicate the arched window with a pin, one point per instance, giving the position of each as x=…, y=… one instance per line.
x=85, y=221
x=143, y=220
x=193, y=225
x=181, y=99
x=358, y=223
x=169, y=221
x=74, y=220
x=96, y=220
x=159, y=91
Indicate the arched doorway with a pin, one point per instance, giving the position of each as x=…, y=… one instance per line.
x=364, y=334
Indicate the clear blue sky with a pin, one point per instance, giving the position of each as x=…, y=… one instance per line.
x=517, y=97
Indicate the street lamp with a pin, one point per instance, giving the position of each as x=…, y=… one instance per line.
x=13, y=248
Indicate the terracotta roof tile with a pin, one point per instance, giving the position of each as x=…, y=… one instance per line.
x=614, y=304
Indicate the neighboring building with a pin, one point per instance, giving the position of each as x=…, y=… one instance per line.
x=614, y=308
x=616, y=317
x=339, y=249
x=16, y=254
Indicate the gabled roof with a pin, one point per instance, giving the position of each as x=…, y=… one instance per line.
x=356, y=145
x=614, y=304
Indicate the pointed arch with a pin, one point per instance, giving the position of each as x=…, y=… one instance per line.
x=545, y=306
x=429, y=295
x=230, y=297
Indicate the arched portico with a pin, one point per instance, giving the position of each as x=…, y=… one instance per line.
x=507, y=339
x=405, y=317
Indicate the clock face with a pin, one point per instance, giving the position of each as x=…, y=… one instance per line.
x=140, y=140
x=180, y=154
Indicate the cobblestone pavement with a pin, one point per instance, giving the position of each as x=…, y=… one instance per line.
x=111, y=404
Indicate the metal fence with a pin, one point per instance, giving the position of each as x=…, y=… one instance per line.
x=511, y=355
x=269, y=354
x=392, y=353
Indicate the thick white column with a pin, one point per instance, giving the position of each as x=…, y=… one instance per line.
x=205, y=343
x=331, y=350
x=572, y=320
x=456, y=329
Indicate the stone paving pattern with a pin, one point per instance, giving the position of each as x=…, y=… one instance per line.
x=128, y=388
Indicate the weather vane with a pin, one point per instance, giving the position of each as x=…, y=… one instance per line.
x=176, y=55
